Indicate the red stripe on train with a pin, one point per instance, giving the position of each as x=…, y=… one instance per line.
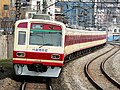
x=75, y=39
x=38, y=55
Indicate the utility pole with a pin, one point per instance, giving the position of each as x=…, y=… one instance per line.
x=44, y=11
x=77, y=7
x=18, y=6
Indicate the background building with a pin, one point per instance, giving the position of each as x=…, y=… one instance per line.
x=78, y=13
x=7, y=8
x=7, y=15
x=42, y=6
x=106, y=12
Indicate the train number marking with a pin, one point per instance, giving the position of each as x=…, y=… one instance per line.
x=40, y=50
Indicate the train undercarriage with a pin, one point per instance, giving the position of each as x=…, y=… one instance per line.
x=83, y=52
x=37, y=70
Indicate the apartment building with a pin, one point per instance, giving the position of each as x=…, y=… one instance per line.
x=7, y=8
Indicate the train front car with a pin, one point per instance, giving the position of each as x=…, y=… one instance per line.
x=38, y=48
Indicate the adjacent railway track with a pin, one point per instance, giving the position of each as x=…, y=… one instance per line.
x=25, y=85
x=95, y=72
x=112, y=80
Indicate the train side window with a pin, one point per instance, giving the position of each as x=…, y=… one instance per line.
x=21, y=37
x=115, y=30
x=119, y=30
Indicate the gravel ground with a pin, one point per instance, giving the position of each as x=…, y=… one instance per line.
x=7, y=82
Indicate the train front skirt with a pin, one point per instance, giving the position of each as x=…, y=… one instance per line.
x=23, y=70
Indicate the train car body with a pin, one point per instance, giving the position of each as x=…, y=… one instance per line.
x=76, y=40
x=40, y=46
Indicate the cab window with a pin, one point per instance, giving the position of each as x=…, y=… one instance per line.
x=21, y=37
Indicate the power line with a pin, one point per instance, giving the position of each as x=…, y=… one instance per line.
x=44, y=9
x=101, y=2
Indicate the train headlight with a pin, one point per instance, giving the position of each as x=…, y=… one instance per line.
x=20, y=54
x=55, y=56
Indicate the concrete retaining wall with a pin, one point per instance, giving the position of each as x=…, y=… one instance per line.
x=6, y=46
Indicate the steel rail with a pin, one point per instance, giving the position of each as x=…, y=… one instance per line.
x=23, y=85
x=48, y=82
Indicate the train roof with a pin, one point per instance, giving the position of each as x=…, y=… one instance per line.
x=84, y=30
x=41, y=20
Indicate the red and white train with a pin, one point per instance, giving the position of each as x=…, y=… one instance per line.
x=41, y=46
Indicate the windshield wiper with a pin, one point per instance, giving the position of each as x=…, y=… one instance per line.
x=48, y=44
x=41, y=46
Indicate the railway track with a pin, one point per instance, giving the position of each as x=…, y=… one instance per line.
x=95, y=72
x=25, y=85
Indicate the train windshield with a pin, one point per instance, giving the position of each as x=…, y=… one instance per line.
x=45, y=37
